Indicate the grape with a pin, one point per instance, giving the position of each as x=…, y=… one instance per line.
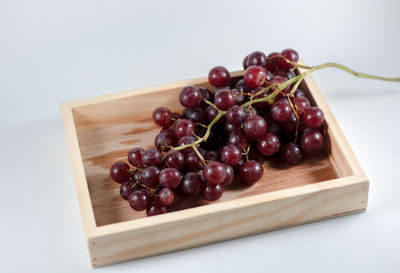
x=279, y=80
x=197, y=115
x=290, y=54
x=214, y=172
x=156, y=209
x=166, y=196
x=175, y=159
x=162, y=117
x=257, y=156
x=231, y=155
x=151, y=157
x=251, y=172
x=150, y=176
x=313, y=118
x=268, y=144
x=251, y=110
x=212, y=156
x=235, y=115
x=176, y=116
x=303, y=104
x=126, y=189
x=257, y=58
x=185, y=141
x=212, y=192
x=139, y=200
x=135, y=156
x=312, y=141
x=193, y=161
x=272, y=125
x=219, y=76
x=241, y=86
x=281, y=111
x=299, y=93
x=230, y=128
x=170, y=177
x=224, y=99
x=238, y=139
x=190, y=96
x=271, y=62
x=205, y=94
x=191, y=183
x=291, y=153
x=287, y=74
x=165, y=139
x=245, y=60
x=184, y=127
x=119, y=172
x=254, y=127
x=291, y=124
x=255, y=76
x=211, y=113
x=229, y=175
x=240, y=98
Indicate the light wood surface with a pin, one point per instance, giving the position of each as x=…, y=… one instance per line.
x=101, y=130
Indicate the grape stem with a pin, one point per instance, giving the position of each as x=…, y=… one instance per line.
x=278, y=89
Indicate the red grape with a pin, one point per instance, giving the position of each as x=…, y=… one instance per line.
x=254, y=127
x=119, y=172
x=268, y=144
x=312, y=141
x=224, y=99
x=214, y=172
x=235, y=115
x=170, y=177
x=135, y=156
x=150, y=176
x=219, y=76
x=151, y=157
x=162, y=117
x=190, y=96
x=166, y=196
x=156, y=209
x=139, y=200
x=175, y=159
x=255, y=76
x=184, y=127
x=291, y=153
x=251, y=172
x=191, y=183
x=212, y=192
x=313, y=118
x=231, y=155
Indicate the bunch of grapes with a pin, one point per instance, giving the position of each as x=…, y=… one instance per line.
x=223, y=134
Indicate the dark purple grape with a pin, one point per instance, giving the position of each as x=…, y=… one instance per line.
x=251, y=172
x=214, y=172
x=291, y=55
x=211, y=113
x=230, y=128
x=299, y=93
x=238, y=139
x=281, y=111
x=254, y=127
x=313, y=118
x=193, y=161
x=219, y=76
x=127, y=188
x=135, y=156
x=119, y=172
x=245, y=60
x=291, y=124
x=184, y=127
x=287, y=74
x=151, y=157
x=271, y=62
x=255, y=76
x=165, y=139
x=185, y=141
x=291, y=153
x=231, y=155
x=212, y=156
x=235, y=115
x=150, y=176
x=166, y=196
x=256, y=155
x=175, y=159
x=224, y=99
x=139, y=200
x=155, y=209
x=272, y=125
x=197, y=115
x=260, y=105
x=268, y=144
x=170, y=178
x=229, y=175
x=240, y=98
x=303, y=104
x=249, y=113
x=312, y=141
x=241, y=86
x=191, y=183
x=257, y=58
x=212, y=192
x=162, y=116
x=205, y=94
x=176, y=116
x=190, y=96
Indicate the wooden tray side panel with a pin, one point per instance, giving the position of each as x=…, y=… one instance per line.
x=255, y=214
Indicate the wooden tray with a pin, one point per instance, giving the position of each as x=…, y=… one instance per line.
x=102, y=129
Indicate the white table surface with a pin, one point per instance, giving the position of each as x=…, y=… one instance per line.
x=55, y=51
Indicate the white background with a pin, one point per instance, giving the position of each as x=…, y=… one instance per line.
x=55, y=51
